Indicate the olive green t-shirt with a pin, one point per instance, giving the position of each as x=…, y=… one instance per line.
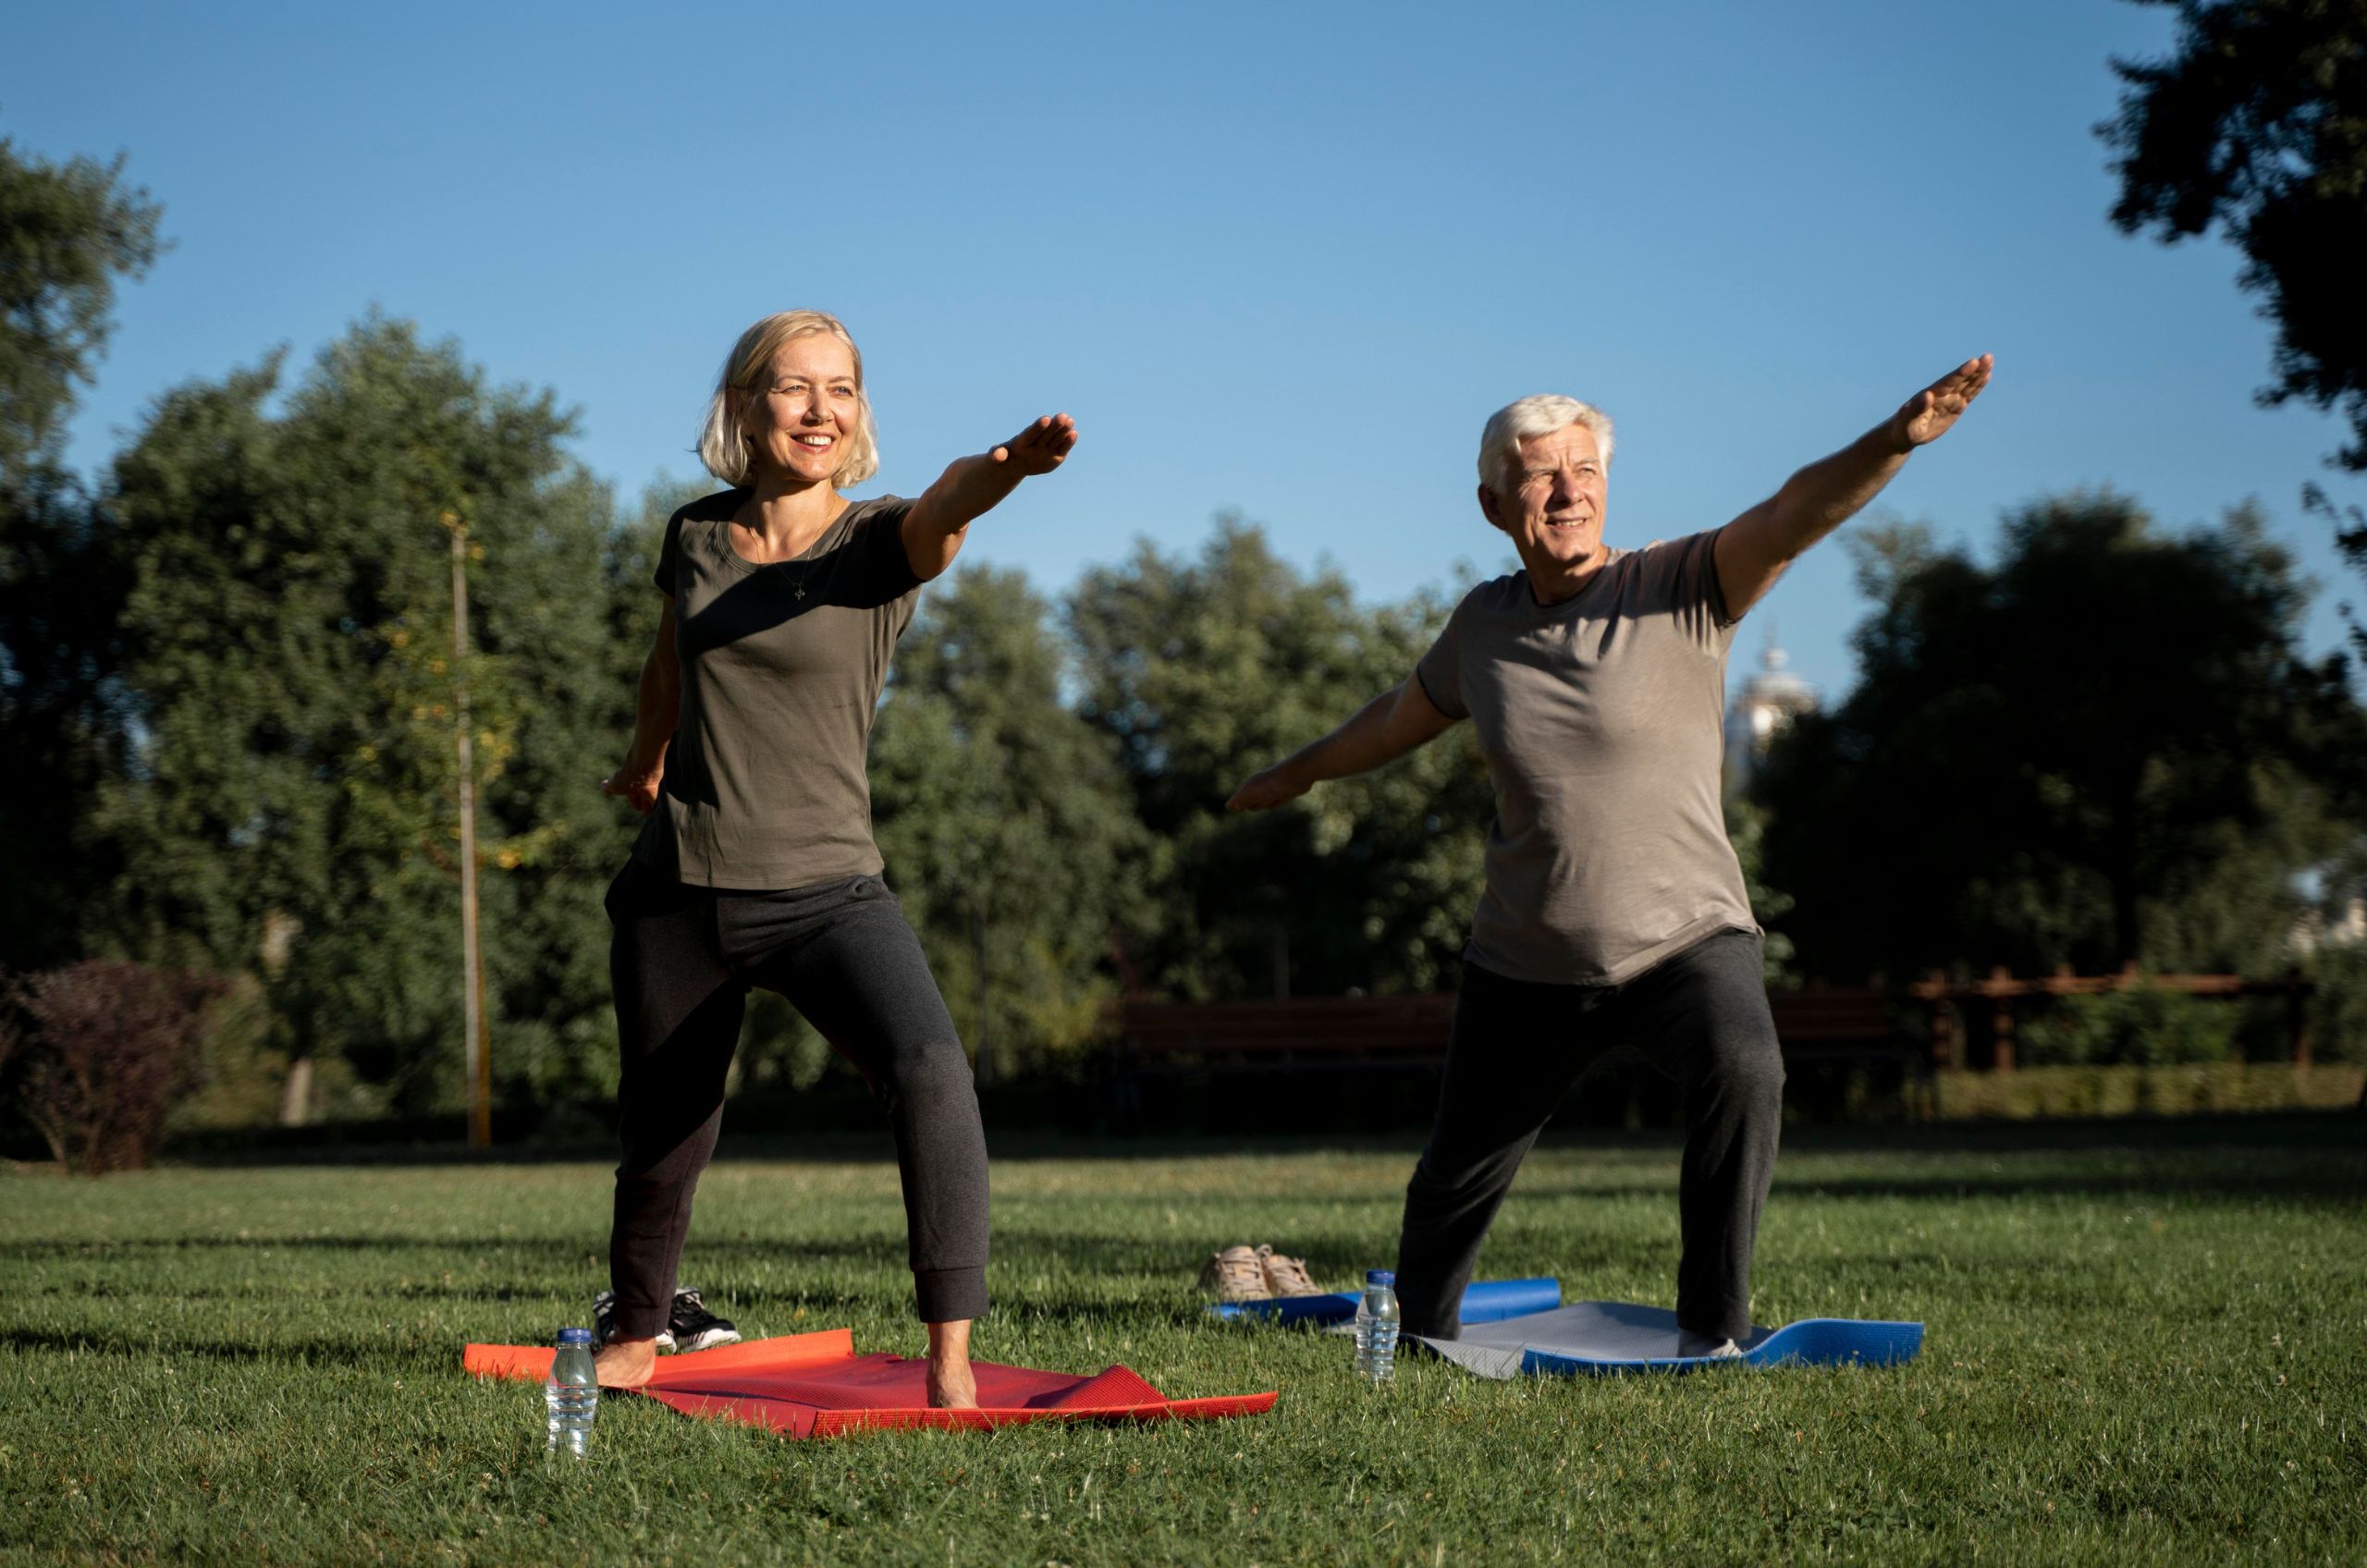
x=782, y=670
x=1601, y=719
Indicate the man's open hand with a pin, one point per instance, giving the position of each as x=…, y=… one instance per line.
x=1928, y=415
x=1271, y=788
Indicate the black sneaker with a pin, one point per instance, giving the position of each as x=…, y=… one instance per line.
x=694, y=1327
x=604, y=1321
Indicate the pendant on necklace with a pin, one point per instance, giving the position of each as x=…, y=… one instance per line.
x=800, y=593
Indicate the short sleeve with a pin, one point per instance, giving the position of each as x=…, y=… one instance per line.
x=670, y=557
x=1440, y=670
x=874, y=573
x=884, y=565
x=1687, y=573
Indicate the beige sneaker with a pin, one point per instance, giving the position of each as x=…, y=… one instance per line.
x=1234, y=1274
x=1285, y=1276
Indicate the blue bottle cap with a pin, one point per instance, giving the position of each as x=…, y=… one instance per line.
x=575, y=1336
x=1379, y=1277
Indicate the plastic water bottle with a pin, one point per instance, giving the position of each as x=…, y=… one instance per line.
x=572, y=1393
x=1376, y=1327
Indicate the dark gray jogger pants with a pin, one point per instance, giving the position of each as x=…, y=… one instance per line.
x=682, y=960
x=1701, y=1018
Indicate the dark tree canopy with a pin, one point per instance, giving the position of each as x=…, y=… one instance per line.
x=67, y=234
x=2106, y=748
x=2259, y=124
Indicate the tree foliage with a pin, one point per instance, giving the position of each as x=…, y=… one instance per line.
x=2258, y=123
x=1202, y=671
x=67, y=235
x=1004, y=821
x=290, y=655
x=2107, y=747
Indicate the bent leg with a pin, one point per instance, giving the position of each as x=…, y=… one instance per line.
x=1706, y=1024
x=864, y=985
x=1511, y=1057
x=678, y=1022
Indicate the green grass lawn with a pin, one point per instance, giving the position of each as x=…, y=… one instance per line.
x=2147, y=1341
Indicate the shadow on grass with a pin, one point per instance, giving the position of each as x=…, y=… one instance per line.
x=562, y=1249
x=321, y=1351
x=2342, y=1131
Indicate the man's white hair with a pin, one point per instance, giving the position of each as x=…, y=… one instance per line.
x=1540, y=415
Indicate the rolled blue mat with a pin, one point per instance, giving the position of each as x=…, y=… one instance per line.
x=1484, y=1301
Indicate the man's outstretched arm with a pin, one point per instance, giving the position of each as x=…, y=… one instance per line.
x=1383, y=729
x=1754, y=550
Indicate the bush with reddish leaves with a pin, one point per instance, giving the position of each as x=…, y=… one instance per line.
x=105, y=1047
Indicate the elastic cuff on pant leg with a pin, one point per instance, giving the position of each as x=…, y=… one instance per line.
x=950, y=1295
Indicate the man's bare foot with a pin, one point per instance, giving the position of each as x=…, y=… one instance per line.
x=950, y=1384
x=625, y=1364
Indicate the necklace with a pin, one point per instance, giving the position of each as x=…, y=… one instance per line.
x=805, y=560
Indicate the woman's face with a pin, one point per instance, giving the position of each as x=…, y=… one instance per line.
x=807, y=411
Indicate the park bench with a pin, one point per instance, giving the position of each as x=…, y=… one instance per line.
x=1166, y=1040
x=1850, y=1026
x=1295, y=1035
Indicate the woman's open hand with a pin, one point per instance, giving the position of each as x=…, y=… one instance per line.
x=1041, y=447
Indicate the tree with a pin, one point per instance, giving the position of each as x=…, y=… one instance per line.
x=1007, y=828
x=2259, y=124
x=1202, y=672
x=290, y=804
x=67, y=235
x=2107, y=747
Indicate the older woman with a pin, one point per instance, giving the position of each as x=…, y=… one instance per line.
x=1613, y=912
x=784, y=600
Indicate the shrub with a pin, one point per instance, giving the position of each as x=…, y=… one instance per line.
x=2142, y=1027
x=2338, y=1011
x=107, y=1048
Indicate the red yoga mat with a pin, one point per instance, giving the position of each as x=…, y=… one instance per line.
x=815, y=1386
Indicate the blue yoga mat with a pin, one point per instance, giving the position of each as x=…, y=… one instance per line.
x=1596, y=1337
x=1484, y=1301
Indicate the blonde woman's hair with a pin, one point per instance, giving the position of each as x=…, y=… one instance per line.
x=1540, y=415
x=724, y=443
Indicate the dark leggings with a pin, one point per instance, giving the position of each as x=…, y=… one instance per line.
x=682, y=960
x=1701, y=1018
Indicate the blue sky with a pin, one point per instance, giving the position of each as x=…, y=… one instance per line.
x=1285, y=258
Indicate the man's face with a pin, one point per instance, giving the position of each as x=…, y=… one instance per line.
x=1554, y=512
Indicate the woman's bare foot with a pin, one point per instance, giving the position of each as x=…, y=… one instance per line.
x=950, y=1384
x=625, y=1364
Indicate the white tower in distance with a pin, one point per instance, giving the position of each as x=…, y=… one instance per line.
x=1771, y=699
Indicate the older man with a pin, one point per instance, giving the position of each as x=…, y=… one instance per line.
x=1613, y=913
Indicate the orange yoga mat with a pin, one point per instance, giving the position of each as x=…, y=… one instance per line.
x=815, y=1386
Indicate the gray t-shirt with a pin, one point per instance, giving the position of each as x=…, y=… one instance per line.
x=782, y=670
x=1601, y=718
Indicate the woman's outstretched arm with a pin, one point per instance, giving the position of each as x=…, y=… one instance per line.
x=970, y=487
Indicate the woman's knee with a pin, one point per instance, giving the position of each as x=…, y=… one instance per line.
x=931, y=1071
